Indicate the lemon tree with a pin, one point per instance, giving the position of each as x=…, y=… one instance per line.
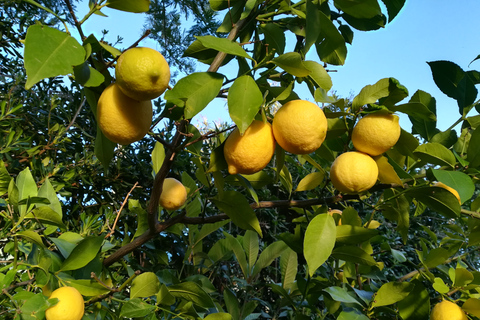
x=116, y=204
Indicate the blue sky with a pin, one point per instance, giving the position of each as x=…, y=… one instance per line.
x=425, y=30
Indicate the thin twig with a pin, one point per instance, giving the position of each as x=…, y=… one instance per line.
x=78, y=25
x=112, y=230
x=76, y=114
x=209, y=135
x=144, y=35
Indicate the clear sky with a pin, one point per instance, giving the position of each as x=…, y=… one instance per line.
x=425, y=30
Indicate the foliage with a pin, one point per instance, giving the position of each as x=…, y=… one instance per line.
x=78, y=210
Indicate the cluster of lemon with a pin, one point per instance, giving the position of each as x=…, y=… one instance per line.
x=299, y=127
x=124, y=109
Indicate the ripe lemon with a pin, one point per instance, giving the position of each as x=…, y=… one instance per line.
x=142, y=73
x=251, y=152
x=376, y=133
x=447, y=310
x=70, y=306
x=173, y=194
x=123, y=120
x=353, y=172
x=443, y=185
x=300, y=127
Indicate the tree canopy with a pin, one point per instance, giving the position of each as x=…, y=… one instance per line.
x=79, y=210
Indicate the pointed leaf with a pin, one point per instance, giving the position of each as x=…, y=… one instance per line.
x=458, y=181
x=274, y=36
x=236, y=247
x=392, y=292
x=135, y=6
x=318, y=74
x=417, y=304
x=144, y=285
x=331, y=47
x=310, y=181
x=49, y=53
x=386, y=173
x=223, y=45
x=270, y=253
x=371, y=93
x=218, y=316
x=438, y=199
x=250, y=244
x=158, y=155
x=435, y=153
x=472, y=306
x=244, y=101
x=288, y=268
x=353, y=254
x=31, y=236
x=353, y=235
x=292, y=63
x=361, y=9
x=191, y=291
x=473, y=151
x=195, y=91
x=341, y=295
x=236, y=206
x=136, y=308
x=319, y=241
x=85, y=251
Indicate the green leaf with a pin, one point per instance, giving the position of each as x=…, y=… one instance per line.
x=88, y=288
x=330, y=45
x=144, y=285
x=47, y=191
x=472, y=306
x=135, y=6
x=435, y=153
x=31, y=236
x=195, y=91
x=288, y=268
x=46, y=215
x=218, y=316
x=371, y=93
x=353, y=254
x=361, y=9
x=164, y=297
x=4, y=178
x=310, y=181
x=440, y=286
x=27, y=188
x=191, y=291
x=292, y=63
x=415, y=110
x=341, y=295
x=454, y=82
x=223, y=45
x=352, y=235
x=85, y=251
x=236, y=247
x=158, y=155
x=462, y=277
x=312, y=24
x=319, y=241
x=236, y=206
x=88, y=76
x=374, y=23
x=104, y=149
x=244, y=101
x=208, y=229
x=393, y=8
x=473, y=151
x=427, y=128
x=438, y=199
x=270, y=253
x=352, y=315
x=251, y=246
x=318, y=74
x=136, y=308
x=274, y=36
x=50, y=53
x=458, y=181
x=392, y=292
x=417, y=304
x=218, y=5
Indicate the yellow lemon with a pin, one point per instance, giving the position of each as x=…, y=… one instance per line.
x=142, y=73
x=443, y=185
x=300, y=127
x=251, y=152
x=447, y=310
x=376, y=133
x=353, y=172
x=123, y=120
x=70, y=306
x=173, y=194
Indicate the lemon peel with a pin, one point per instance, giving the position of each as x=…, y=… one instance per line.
x=300, y=127
x=173, y=194
x=123, y=120
x=376, y=133
x=251, y=152
x=70, y=306
x=142, y=73
x=353, y=172
x=447, y=310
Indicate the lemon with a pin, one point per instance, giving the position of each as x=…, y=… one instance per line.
x=443, y=185
x=173, y=194
x=142, y=73
x=70, y=306
x=447, y=310
x=376, y=133
x=251, y=152
x=353, y=172
x=123, y=120
x=300, y=127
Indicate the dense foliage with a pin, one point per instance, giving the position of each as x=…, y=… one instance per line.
x=80, y=211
